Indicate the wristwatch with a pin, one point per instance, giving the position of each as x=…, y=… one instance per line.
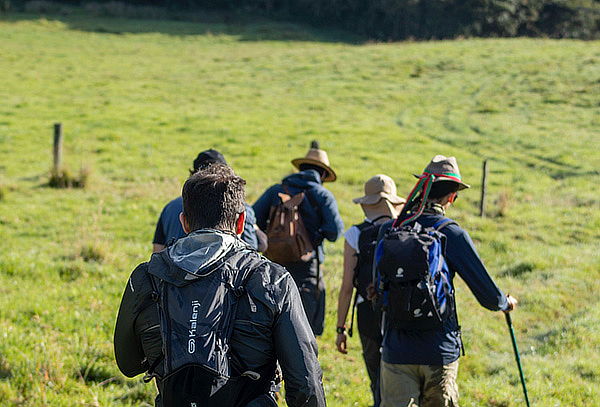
x=341, y=329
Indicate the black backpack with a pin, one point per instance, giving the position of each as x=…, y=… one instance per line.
x=413, y=279
x=367, y=241
x=363, y=277
x=196, y=322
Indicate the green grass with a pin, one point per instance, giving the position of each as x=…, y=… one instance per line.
x=138, y=99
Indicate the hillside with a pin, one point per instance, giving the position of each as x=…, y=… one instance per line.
x=139, y=98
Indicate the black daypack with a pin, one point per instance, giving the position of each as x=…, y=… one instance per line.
x=196, y=321
x=367, y=242
x=412, y=276
x=369, y=320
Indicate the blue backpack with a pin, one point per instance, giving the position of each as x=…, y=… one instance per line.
x=412, y=278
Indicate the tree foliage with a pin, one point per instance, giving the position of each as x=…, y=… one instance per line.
x=420, y=19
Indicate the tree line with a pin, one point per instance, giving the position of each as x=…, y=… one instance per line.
x=385, y=20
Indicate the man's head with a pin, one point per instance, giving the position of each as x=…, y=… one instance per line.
x=316, y=159
x=447, y=181
x=322, y=171
x=443, y=192
x=207, y=157
x=213, y=198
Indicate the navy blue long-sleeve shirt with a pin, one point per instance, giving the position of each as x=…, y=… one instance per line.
x=319, y=209
x=442, y=346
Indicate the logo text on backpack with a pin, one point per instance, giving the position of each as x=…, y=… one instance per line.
x=400, y=272
x=193, y=324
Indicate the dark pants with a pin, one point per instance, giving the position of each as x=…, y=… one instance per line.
x=369, y=329
x=312, y=292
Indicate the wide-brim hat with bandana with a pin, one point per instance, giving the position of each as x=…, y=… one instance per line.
x=444, y=169
x=440, y=168
x=318, y=157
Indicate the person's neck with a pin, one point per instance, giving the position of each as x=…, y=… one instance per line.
x=435, y=208
x=381, y=218
x=212, y=230
x=383, y=208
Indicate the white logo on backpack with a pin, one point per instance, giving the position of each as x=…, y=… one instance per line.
x=193, y=326
x=400, y=272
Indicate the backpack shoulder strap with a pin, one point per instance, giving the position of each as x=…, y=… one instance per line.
x=442, y=223
x=381, y=217
x=308, y=192
x=311, y=200
x=239, y=289
x=363, y=226
x=245, y=273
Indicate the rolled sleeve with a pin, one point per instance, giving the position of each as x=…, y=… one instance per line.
x=159, y=232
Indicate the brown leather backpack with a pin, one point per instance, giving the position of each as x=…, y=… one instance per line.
x=288, y=238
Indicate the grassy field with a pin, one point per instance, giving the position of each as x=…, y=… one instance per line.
x=138, y=99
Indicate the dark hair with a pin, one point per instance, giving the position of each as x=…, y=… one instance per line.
x=322, y=171
x=442, y=188
x=213, y=197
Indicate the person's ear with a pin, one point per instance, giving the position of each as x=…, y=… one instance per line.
x=452, y=197
x=184, y=223
x=239, y=223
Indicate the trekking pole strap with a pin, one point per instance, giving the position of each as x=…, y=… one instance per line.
x=351, y=329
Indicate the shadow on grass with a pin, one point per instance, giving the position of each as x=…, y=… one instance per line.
x=240, y=26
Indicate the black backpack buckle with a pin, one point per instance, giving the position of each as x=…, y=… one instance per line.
x=239, y=291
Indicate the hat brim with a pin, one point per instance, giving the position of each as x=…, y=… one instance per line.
x=375, y=198
x=461, y=185
x=330, y=177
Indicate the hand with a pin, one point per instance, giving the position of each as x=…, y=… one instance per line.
x=341, y=343
x=512, y=303
x=371, y=292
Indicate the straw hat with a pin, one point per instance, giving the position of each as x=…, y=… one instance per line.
x=377, y=188
x=445, y=169
x=318, y=157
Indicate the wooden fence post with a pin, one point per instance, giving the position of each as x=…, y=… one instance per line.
x=57, y=150
x=483, y=188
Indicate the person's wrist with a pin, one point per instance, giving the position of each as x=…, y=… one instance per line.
x=341, y=330
x=510, y=303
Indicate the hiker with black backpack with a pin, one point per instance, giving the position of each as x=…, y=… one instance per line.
x=208, y=317
x=379, y=204
x=416, y=259
x=297, y=216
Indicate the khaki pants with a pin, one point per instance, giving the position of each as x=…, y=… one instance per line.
x=419, y=385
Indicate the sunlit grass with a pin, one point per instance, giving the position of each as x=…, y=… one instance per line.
x=138, y=99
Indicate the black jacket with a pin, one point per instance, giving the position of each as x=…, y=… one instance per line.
x=270, y=322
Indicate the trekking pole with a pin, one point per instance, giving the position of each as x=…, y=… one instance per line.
x=517, y=356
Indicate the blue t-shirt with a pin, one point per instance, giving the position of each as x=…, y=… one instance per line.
x=442, y=346
x=169, y=227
